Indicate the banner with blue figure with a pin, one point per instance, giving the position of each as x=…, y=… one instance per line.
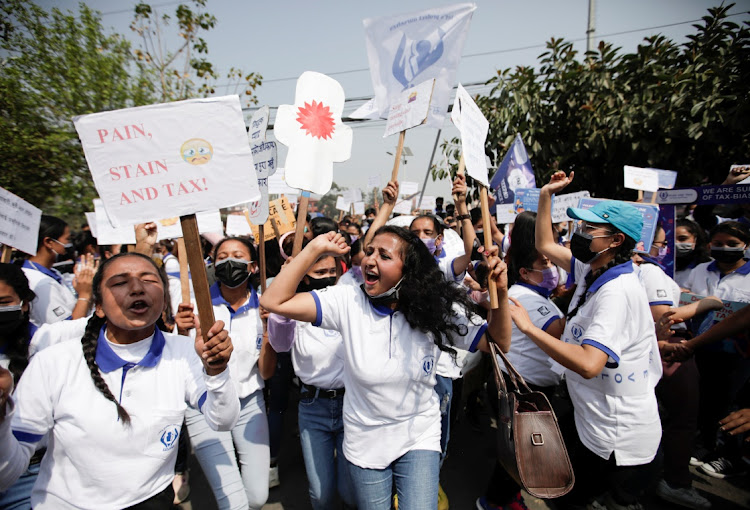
x=514, y=172
x=407, y=49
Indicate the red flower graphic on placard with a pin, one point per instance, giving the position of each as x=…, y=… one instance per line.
x=316, y=119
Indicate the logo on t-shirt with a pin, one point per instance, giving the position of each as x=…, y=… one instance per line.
x=577, y=331
x=428, y=363
x=168, y=437
x=58, y=311
x=661, y=293
x=259, y=342
x=543, y=310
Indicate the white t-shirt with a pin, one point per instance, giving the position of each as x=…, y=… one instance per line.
x=706, y=280
x=93, y=460
x=54, y=301
x=447, y=365
x=530, y=361
x=246, y=331
x=616, y=411
x=390, y=405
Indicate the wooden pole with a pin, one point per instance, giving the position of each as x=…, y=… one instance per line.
x=399, y=150
x=7, y=251
x=461, y=165
x=304, y=199
x=192, y=241
x=262, y=256
x=486, y=218
x=184, y=276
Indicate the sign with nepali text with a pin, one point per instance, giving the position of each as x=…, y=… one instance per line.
x=173, y=158
x=19, y=223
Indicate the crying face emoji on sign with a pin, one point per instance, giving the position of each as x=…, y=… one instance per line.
x=196, y=151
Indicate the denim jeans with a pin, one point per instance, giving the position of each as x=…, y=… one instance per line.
x=416, y=475
x=321, y=432
x=18, y=495
x=235, y=487
x=444, y=390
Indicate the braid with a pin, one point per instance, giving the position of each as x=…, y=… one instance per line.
x=89, y=342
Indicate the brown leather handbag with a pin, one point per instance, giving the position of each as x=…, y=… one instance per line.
x=529, y=444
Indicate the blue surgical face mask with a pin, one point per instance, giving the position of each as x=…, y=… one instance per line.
x=430, y=243
x=661, y=254
x=357, y=272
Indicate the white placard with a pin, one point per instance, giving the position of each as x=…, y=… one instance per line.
x=258, y=125
x=313, y=131
x=173, y=158
x=106, y=233
x=342, y=204
x=237, y=225
x=428, y=203
x=277, y=184
x=505, y=213
x=411, y=109
x=257, y=212
x=19, y=222
x=210, y=221
x=373, y=181
x=403, y=207
x=353, y=195
x=560, y=204
x=469, y=120
x=407, y=188
x=667, y=178
x=359, y=208
x=645, y=179
x=169, y=228
x=91, y=220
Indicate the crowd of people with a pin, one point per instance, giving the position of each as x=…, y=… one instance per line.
x=107, y=379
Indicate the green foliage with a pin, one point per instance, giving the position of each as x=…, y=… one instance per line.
x=184, y=72
x=679, y=107
x=327, y=203
x=57, y=65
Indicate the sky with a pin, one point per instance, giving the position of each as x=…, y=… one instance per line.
x=281, y=39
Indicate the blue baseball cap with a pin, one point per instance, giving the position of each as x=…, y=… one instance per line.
x=621, y=215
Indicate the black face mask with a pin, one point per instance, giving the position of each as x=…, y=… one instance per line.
x=11, y=317
x=232, y=272
x=580, y=247
x=725, y=256
x=316, y=283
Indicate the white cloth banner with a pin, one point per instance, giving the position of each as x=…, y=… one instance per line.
x=407, y=49
x=169, y=159
x=19, y=222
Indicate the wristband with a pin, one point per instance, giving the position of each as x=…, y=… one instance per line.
x=84, y=299
x=462, y=217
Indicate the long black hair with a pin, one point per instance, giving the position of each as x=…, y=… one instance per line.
x=16, y=341
x=90, y=337
x=522, y=252
x=426, y=298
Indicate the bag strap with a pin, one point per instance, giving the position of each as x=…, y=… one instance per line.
x=499, y=379
x=519, y=384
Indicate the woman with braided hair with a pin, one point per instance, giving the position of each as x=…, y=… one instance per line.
x=609, y=353
x=113, y=405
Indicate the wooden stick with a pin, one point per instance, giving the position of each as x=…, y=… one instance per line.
x=184, y=276
x=486, y=218
x=7, y=251
x=640, y=195
x=304, y=199
x=262, y=256
x=192, y=242
x=399, y=150
x=461, y=165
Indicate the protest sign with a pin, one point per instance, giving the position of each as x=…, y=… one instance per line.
x=210, y=221
x=469, y=120
x=237, y=225
x=19, y=223
x=277, y=184
x=667, y=220
x=408, y=188
x=645, y=179
x=410, y=109
x=91, y=221
x=359, y=208
x=176, y=158
x=527, y=199
x=342, y=204
x=280, y=220
x=427, y=203
x=169, y=228
x=313, y=131
x=560, y=204
x=686, y=298
x=352, y=195
x=108, y=234
x=264, y=160
x=407, y=49
x=403, y=207
x=505, y=214
x=734, y=194
x=259, y=124
x=650, y=215
x=373, y=181
x=515, y=171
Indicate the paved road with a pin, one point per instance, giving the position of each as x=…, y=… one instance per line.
x=464, y=476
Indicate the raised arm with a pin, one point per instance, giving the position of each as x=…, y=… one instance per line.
x=390, y=194
x=499, y=324
x=467, y=229
x=281, y=296
x=544, y=237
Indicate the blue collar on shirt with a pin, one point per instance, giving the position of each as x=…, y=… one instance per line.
x=49, y=272
x=165, y=257
x=217, y=299
x=651, y=260
x=611, y=274
x=383, y=311
x=108, y=361
x=539, y=290
x=744, y=269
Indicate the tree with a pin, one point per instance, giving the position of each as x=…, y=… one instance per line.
x=680, y=107
x=327, y=203
x=184, y=72
x=57, y=65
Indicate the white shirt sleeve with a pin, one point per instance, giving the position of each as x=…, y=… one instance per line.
x=657, y=284
x=14, y=455
x=332, y=305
